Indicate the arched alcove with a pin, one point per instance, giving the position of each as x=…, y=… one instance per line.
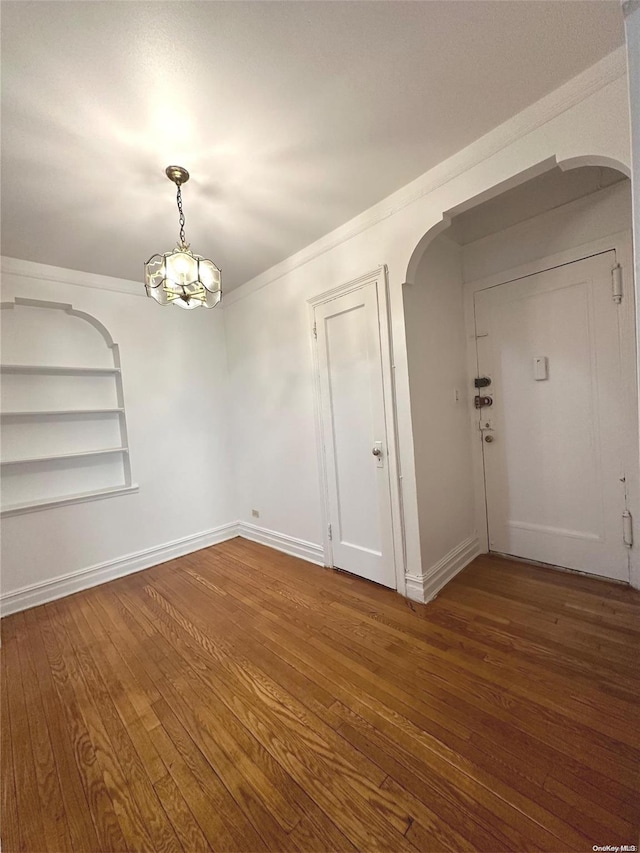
x=497, y=191
x=555, y=213
x=64, y=435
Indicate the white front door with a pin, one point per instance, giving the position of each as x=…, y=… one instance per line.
x=553, y=439
x=354, y=434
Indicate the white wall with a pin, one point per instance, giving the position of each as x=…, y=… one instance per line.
x=267, y=325
x=272, y=415
x=437, y=359
x=174, y=377
x=589, y=218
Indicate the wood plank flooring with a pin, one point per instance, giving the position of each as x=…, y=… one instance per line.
x=238, y=699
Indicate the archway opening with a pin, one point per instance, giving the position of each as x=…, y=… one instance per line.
x=551, y=221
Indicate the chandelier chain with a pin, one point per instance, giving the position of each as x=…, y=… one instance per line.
x=180, y=277
x=183, y=239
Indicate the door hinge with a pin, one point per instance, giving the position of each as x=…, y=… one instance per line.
x=329, y=531
x=315, y=331
x=627, y=528
x=616, y=283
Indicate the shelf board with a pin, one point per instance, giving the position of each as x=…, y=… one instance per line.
x=63, y=500
x=57, y=369
x=84, y=453
x=53, y=412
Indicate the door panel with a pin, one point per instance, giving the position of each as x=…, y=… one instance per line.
x=352, y=403
x=553, y=462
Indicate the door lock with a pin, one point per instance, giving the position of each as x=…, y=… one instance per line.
x=377, y=452
x=482, y=382
x=481, y=402
x=488, y=439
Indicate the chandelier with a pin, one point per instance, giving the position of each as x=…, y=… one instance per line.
x=180, y=277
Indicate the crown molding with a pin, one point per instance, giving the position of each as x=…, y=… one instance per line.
x=569, y=94
x=45, y=272
x=607, y=70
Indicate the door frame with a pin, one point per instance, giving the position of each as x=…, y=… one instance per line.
x=621, y=244
x=379, y=277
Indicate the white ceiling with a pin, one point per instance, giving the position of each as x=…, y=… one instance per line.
x=292, y=117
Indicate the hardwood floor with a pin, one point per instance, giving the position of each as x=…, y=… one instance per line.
x=238, y=699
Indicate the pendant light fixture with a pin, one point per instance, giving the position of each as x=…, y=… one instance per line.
x=180, y=277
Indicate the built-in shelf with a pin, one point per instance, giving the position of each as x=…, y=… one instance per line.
x=78, y=455
x=60, y=369
x=81, y=497
x=54, y=412
x=53, y=467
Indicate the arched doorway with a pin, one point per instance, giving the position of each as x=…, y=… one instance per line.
x=521, y=290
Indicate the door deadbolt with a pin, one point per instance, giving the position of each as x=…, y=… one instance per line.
x=488, y=439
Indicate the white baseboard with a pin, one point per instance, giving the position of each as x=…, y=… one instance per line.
x=50, y=590
x=421, y=588
x=426, y=586
x=41, y=593
x=288, y=544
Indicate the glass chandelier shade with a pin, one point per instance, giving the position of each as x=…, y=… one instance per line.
x=180, y=277
x=183, y=279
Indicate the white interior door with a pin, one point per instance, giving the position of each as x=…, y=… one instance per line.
x=354, y=434
x=553, y=439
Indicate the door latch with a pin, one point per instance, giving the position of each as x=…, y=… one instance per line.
x=481, y=402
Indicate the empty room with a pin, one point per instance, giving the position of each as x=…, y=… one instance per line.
x=319, y=464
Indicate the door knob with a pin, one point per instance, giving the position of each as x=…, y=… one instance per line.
x=488, y=439
x=377, y=451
